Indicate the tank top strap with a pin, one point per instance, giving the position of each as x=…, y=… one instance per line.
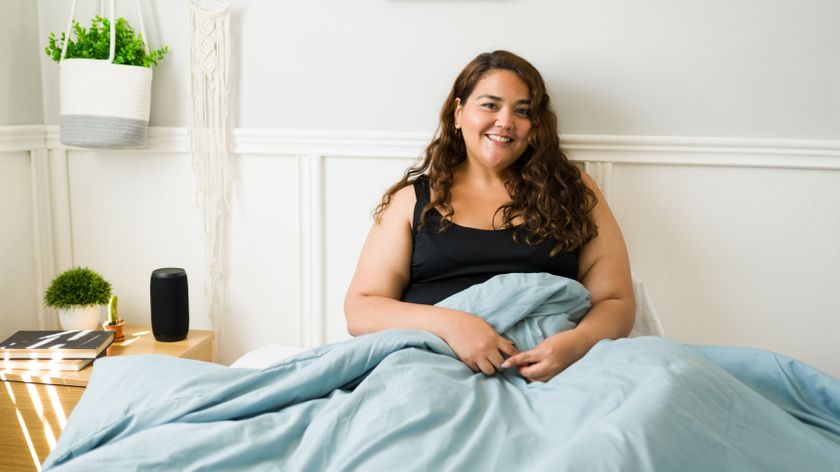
x=421, y=191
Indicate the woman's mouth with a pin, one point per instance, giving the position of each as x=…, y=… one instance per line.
x=498, y=138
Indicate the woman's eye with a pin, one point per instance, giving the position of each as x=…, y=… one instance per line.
x=524, y=111
x=489, y=106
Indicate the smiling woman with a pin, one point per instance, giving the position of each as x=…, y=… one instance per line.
x=493, y=195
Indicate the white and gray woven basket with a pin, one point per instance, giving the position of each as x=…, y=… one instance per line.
x=104, y=104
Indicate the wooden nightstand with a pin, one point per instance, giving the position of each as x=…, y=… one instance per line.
x=34, y=406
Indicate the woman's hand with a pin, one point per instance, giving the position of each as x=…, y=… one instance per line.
x=549, y=357
x=476, y=343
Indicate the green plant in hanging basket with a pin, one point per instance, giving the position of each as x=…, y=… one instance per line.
x=95, y=43
x=77, y=287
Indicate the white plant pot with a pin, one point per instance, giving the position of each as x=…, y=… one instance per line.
x=83, y=318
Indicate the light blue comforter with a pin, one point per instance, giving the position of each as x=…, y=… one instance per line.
x=400, y=400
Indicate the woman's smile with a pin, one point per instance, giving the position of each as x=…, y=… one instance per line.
x=499, y=139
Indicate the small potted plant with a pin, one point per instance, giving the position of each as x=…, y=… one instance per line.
x=105, y=89
x=114, y=323
x=78, y=294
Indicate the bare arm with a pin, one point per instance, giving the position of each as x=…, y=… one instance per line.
x=373, y=299
x=604, y=269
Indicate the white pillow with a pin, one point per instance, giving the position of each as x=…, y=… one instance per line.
x=647, y=322
x=265, y=356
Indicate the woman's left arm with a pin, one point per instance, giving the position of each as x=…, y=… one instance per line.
x=604, y=269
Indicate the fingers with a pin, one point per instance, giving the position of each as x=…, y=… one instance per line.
x=507, y=346
x=491, y=364
x=487, y=367
x=533, y=371
x=542, y=371
x=492, y=360
x=529, y=365
x=523, y=358
x=496, y=359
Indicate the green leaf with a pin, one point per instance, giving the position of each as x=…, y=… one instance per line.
x=95, y=43
x=78, y=286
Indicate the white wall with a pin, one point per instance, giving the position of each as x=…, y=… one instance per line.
x=20, y=72
x=20, y=104
x=135, y=212
x=741, y=255
x=738, y=256
x=18, y=308
x=656, y=67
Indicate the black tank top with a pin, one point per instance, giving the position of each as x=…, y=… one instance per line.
x=459, y=257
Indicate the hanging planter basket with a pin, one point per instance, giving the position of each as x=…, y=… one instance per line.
x=104, y=105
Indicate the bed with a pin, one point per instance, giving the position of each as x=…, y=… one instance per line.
x=401, y=399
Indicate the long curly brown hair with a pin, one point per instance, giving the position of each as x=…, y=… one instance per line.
x=547, y=193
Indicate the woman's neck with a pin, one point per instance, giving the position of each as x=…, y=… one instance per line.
x=480, y=179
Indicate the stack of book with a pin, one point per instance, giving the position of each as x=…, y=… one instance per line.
x=53, y=350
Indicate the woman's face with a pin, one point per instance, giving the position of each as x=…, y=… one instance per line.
x=495, y=120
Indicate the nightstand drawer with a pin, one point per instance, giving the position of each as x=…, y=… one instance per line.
x=32, y=415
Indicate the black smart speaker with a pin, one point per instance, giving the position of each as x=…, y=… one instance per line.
x=170, y=304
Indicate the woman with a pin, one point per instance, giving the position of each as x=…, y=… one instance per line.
x=494, y=194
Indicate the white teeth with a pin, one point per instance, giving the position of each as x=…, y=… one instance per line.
x=499, y=139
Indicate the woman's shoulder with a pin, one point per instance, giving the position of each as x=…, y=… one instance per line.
x=416, y=189
x=401, y=205
x=405, y=193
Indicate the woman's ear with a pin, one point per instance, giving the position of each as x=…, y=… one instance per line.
x=457, y=115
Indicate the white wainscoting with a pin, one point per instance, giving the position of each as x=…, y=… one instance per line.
x=18, y=303
x=734, y=238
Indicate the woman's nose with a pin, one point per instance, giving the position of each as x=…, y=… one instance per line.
x=504, y=119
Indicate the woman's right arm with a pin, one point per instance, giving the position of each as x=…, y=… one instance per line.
x=373, y=301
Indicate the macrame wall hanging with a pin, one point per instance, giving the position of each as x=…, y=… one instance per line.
x=210, y=139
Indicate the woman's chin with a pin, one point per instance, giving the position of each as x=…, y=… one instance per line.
x=495, y=167
x=498, y=162
x=493, y=160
